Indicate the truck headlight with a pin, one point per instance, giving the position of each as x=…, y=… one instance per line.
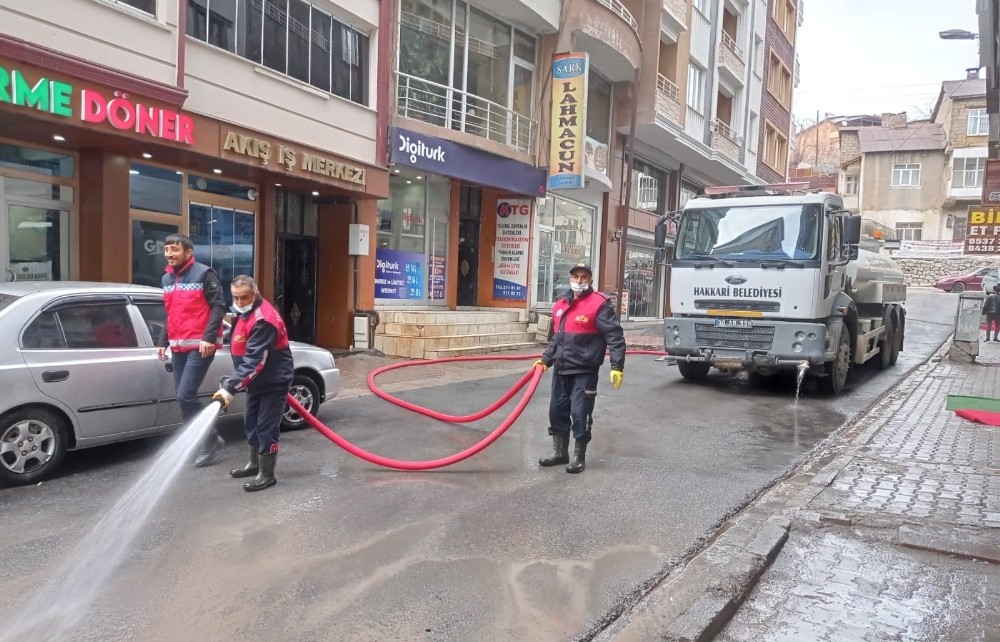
x=812, y=336
x=799, y=336
x=796, y=347
x=677, y=341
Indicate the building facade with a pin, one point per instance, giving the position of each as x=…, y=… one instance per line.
x=780, y=78
x=961, y=111
x=251, y=127
x=900, y=170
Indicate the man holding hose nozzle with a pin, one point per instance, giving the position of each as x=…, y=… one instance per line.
x=586, y=327
x=264, y=369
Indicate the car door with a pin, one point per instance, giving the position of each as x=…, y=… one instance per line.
x=85, y=352
x=168, y=411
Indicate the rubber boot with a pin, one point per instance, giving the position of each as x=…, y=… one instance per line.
x=209, y=453
x=579, y=458
x=265, y=476
x=560, y=451
x=251, y=467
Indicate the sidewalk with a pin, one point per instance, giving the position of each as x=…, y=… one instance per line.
x=891, y=533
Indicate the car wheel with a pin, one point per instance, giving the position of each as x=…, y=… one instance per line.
x=306, y=392
x=958, y=287
x=33, y=442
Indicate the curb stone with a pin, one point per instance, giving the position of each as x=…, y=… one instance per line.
x=696, y=602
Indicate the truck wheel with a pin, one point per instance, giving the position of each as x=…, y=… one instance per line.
x=693, y=370
x=837, y=370
x=888, y=345
x=897, y=344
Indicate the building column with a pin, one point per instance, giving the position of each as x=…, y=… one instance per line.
x=105, y=233
x=338, y=273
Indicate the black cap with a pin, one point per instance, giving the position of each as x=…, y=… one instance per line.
x=581, y=266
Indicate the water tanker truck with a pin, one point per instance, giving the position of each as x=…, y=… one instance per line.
x=766, y=278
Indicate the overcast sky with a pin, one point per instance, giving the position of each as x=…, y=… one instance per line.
x=874, y=56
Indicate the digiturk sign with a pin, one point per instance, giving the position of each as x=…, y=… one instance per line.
x=55, y=97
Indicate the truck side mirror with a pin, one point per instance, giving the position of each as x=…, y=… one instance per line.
x=852, y=230
x=661, y=255
x=852, y=252
x=660, y=235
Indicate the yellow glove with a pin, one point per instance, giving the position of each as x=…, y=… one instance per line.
x=616, y=378
x=540, y=363
x=224, y=397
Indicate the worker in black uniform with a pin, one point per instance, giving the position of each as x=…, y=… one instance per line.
x=585, y=327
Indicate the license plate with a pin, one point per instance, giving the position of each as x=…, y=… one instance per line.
x=734, y=323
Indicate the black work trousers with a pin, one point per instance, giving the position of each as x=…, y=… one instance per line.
x=992, y=323
x=572, y=404
x=262, y=420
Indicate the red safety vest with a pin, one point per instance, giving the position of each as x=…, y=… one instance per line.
x=187, y=310
x=578, y=316
x=245, y=323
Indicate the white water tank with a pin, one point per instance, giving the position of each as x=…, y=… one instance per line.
x=875, y=279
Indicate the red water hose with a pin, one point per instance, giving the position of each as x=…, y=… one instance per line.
x=530, y=379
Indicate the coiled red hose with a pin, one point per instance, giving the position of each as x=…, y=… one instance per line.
x=530, y=379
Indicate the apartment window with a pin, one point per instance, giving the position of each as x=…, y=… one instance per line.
x=775, y=148
x=145, y=6
x=291, y=37
x=648, y=187
x=905, y=175
x=910, y=231
x=979, y=123
x=785, y=14
x=851, y=184
x=968, y=172
x=696, y=88
x=779, y=81
x=460, y=67
x=700, y=6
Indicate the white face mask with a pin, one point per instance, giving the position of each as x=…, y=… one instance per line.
x=242, y=309
x=579, y=287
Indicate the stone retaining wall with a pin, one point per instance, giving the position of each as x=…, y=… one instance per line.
x=924, y=272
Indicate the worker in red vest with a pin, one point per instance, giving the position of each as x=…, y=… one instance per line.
x=263, y=368
x=195, y=305
x=586, y=326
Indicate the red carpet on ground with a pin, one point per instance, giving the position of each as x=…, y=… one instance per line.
x=980, y=416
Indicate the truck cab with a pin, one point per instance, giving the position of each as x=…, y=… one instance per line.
x=761, y=280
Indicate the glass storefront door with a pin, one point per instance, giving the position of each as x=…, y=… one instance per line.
x=566, y=237
x=36, y=243
x=643, y=282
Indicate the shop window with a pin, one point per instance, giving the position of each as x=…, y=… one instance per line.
x=642, y=281
x=155, y=189
x=412, y=239
x=223, y=238
x=297, y=214
x=598, y=123
x=291, y=37
x=38, y=243
x=19, y=187
x=568, y=241
x=37, y=161
x=148, y=262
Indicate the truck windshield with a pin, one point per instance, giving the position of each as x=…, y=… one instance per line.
x=750, y=233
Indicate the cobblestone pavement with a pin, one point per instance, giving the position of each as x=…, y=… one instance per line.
x=903, y=543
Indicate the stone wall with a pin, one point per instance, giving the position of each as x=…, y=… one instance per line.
x=924, y=272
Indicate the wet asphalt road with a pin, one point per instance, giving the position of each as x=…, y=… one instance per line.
x=493, y=548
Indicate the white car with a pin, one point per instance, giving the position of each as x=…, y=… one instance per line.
x=991, y=279
x=78, y=367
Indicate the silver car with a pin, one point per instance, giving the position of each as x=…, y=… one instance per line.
x=78, y=368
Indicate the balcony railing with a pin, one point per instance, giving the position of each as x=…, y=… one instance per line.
x=419, y=99
x=731, y=56
x=725, y=140
x=618, y=8
x=668, y=99
x=730, y=44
